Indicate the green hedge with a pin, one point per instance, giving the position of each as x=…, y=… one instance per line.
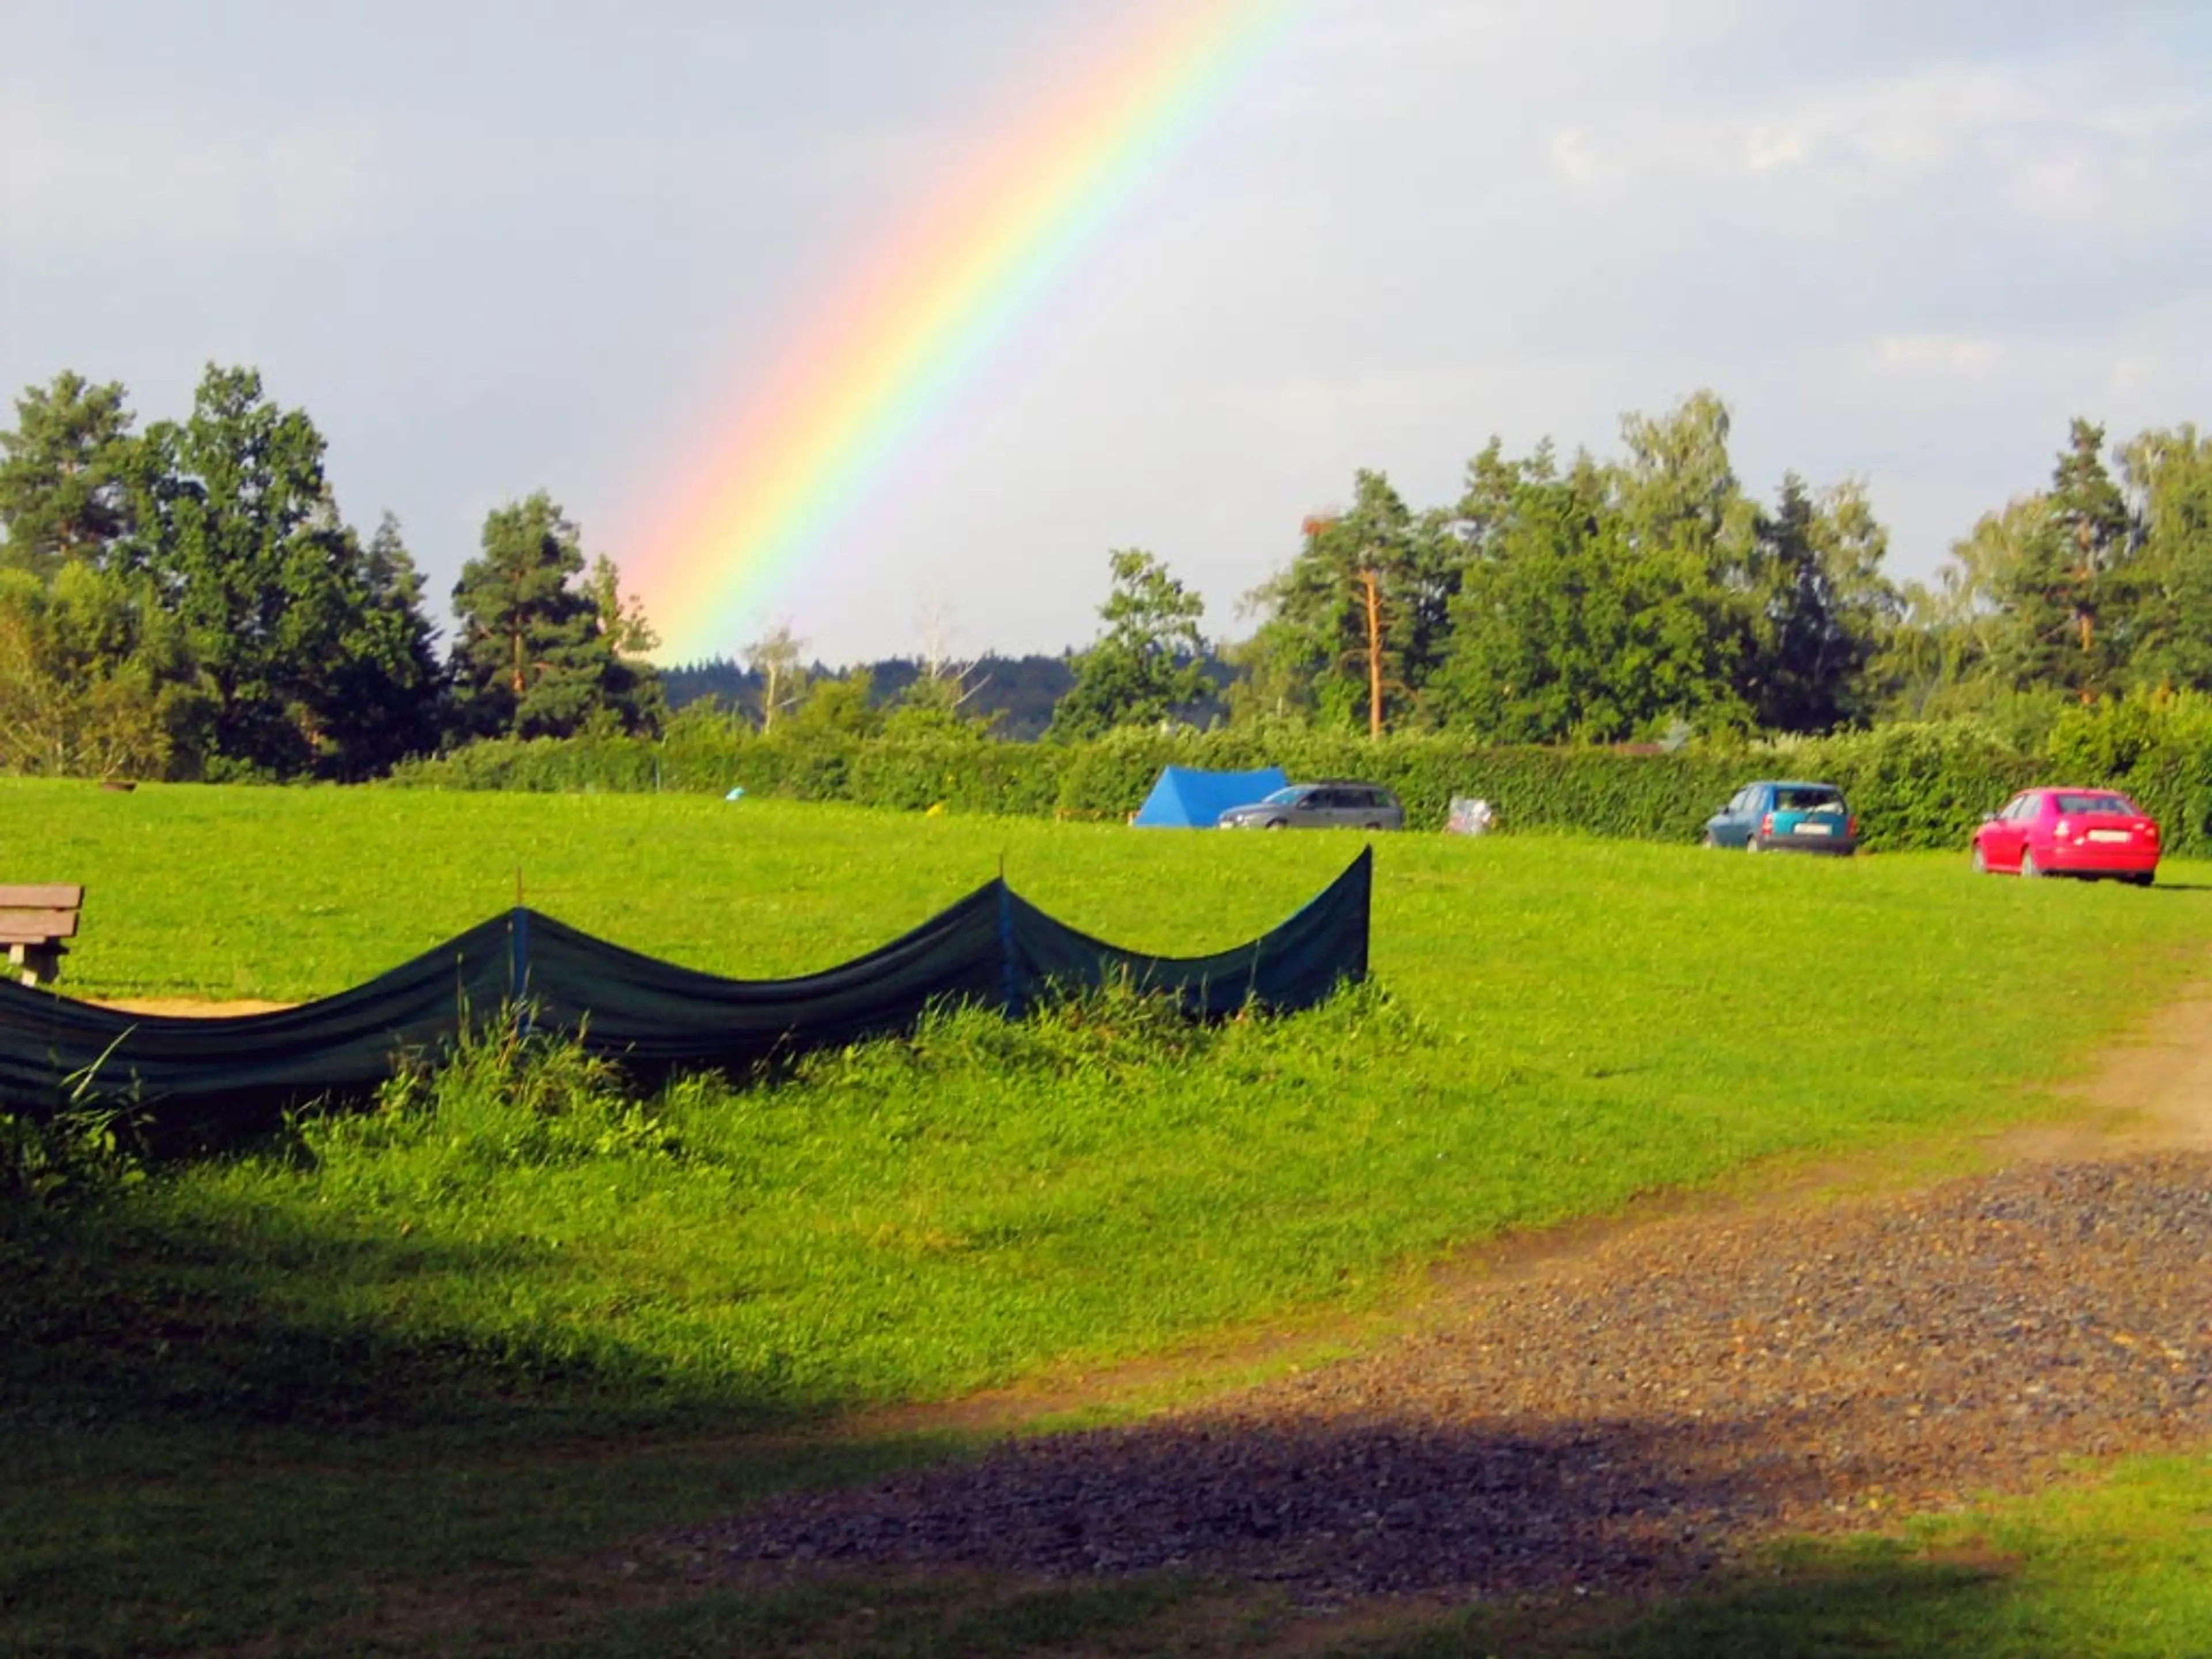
x=1915, y=787
x=1912, y=785
x=2159, y=748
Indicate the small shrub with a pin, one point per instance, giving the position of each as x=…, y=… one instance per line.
x=504, y=1098
x=66, y=1159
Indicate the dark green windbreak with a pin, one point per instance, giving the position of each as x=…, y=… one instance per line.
x=993, y=948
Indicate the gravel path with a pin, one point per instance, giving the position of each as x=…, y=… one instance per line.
x=1628, y=1419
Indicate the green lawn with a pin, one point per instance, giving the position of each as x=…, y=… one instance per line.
x=423, y=1360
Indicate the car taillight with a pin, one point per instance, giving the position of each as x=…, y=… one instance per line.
x=1767, y=824
x=1852, y=828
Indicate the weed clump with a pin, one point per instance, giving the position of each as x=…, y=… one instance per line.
x=504, y=1098
x=1118, y=1033
x=71, y=1158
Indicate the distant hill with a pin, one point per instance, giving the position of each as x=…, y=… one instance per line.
x=1018, y=692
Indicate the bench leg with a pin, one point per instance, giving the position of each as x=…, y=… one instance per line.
x=38, y=964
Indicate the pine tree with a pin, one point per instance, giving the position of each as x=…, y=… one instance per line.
x=1358, y=622
x=1828, y=609
x=311, y=647
x=65, y=479
x=535, y=656
x=2070, y=597
x=383, y=700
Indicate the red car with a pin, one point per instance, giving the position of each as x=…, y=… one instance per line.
x=2069, y=832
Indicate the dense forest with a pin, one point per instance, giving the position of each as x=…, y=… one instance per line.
x=188, y=600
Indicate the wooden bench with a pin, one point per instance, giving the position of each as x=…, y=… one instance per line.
x=33, y=922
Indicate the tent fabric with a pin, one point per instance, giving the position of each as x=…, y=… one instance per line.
x=993, y=948
x=1185, y=797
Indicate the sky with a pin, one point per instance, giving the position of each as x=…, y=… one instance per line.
x=497, y=247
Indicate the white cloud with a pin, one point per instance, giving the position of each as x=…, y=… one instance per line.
x=1768, y=146
x=76, y=176
x=1917, y=354
x=1575, y=160
x=1921, y=120
x=2070, y=146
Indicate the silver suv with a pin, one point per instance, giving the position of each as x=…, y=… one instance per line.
x=1338, y=805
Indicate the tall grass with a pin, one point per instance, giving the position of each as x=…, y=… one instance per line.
x=902, y=1219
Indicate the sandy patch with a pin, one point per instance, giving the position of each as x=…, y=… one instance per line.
x=193, y=1007
x=2164, y=1078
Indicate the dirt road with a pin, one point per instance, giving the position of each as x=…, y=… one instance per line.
x=1646, y=1406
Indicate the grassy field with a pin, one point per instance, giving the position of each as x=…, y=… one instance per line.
x=403, y=1381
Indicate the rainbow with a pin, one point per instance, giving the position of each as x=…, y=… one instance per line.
x=762, y=495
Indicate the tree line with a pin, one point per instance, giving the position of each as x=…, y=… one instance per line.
x=1649, y=597
x=188, y=600
x=1014, y=696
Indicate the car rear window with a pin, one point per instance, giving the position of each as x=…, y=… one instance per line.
x=1808, y=801
x=2085, y=805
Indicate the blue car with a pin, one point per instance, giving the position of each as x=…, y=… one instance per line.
x=1771, y=816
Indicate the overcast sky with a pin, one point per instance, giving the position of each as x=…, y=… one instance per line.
x=496, y=247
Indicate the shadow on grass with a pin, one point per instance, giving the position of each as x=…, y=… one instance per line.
x=1833, y=1603
x=939, y=1617
x=1332, y=1511
x=195, y=1455
x=213, y=1435
x=1825, y=1608
x=115, y=1318
x=199, y=1456
x=200, y=1468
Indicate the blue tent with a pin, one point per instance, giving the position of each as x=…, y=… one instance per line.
x=1186, y=798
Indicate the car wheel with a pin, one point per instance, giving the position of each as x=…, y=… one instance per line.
x=2029, y=870
x=1708, y=840
x=1981, y=865
x=2144, y=879
x=1751, y=843
x=1278, y=824
x=1373, y=825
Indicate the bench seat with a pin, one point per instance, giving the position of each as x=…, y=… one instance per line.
x=33, y=922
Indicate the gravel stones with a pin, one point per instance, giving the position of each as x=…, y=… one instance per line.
x=1629, y=1418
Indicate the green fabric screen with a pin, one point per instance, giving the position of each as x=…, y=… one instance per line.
x=993, y=948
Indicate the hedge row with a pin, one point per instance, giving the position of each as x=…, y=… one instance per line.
x=2159, y=748
x=1912, y=785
